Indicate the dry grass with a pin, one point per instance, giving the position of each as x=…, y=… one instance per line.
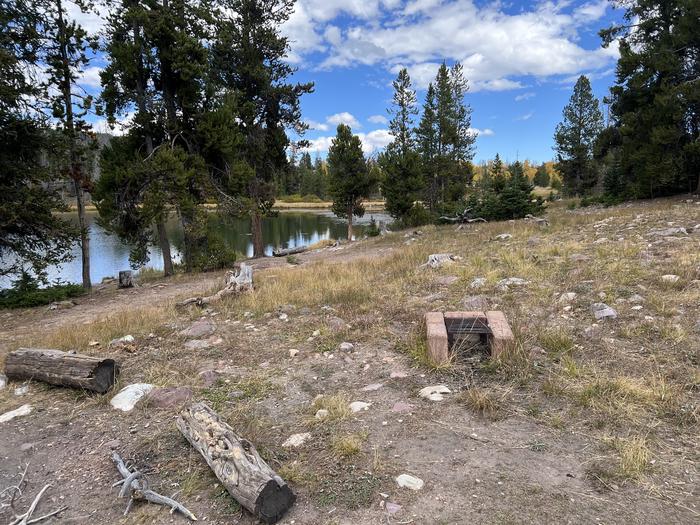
x=347, y=445
x=338, y=407
x=482, y=402
x=634, y=456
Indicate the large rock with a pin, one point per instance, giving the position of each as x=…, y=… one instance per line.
x=296, y=440
x=128, y=396
x=127, y=340
x=24, y=410
x=434, y=393
x=603, y=311
x=169, y=397
x=409, y=482
x=437, y=260
x=505, y=284
x=201, y=328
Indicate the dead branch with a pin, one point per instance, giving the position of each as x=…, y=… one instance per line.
x=138, y=485
x=238, y=281
x=26, y=518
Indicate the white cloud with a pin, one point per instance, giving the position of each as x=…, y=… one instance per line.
x=317, y=125
x=486, y=132
x=120, y=128
x=371, y=142
x=343, y=118
x=524, y=96
x=378, y=119
x=526, y=116
x=90, y=77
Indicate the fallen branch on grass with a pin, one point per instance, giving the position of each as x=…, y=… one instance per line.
x=26, y=517
x=289, y=251
x=135, y=483
x=239, y=280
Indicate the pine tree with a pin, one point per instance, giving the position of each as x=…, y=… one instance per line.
x=31, y=237
x=350, y=181
x=541, y=176
x=249, y=58
x=656, y=100
x=400, y=162
x=575, y=136
x=66, y=50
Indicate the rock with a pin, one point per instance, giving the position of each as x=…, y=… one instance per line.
x=401, y=407
x=392, y=508
x=316, y=333
x=201, y=328
x=635, y=299
x=579, y=257
x=476, y=302
x=169, y=397
x=409, y=482
x=603, y=311
x=346, y=347
x=197, y=344
x=668, y=232
x=122, y=341
x=447, y=280
x=209, y=377
x=321, y=413
x=61, y=305
x=398, y=374
x=534, y=241
x=670, y=278
x=437, y=260
x=372, y=387
x=505, y=284
x=24, y=410
x=336, y=324
x=357, y=406
x=637, y=307
x=94, y=343
x=283, y=317
x=592, y=332
x=478, y=282
x=128, y=396
x=3, y=381
x=567, y=297
x=293, y=352
x=503, y=237
x=434, y=393
x=22, y=390
x=296, y=440
x=26, y=447
x=113, y=444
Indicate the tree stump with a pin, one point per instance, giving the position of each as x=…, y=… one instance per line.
x=238, y=281
x=62, y=368
x=236, y=463
x=126, y=279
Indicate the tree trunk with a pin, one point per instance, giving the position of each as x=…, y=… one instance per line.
x=349, y=223
x=236, y=463
x=62, y=368
x=256, y=230
x=84, y=234
x=165, y=248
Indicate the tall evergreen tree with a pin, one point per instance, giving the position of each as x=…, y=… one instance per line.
x=575, y=136
x=350, y=181
x=249, y=57
x=400, y=162
x=31, y=237
x=656, y=99
x=66, y=49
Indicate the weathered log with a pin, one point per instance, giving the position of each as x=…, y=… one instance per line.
x=62, y=368
x=239, y=280
x=126, y=279
x=236, y=463
x=289, y=251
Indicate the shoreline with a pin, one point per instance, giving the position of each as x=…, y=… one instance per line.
x=279, y=205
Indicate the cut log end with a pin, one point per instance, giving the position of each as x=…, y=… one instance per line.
x=274, y=500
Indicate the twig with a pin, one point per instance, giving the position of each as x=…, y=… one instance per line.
x=139, y=490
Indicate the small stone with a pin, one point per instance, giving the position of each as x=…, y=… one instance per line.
x=113, y=444
x=316, y=333
x=209, y=377
x=436, y=260
x=293, y=352
x=505, y=284
x=22, y=390
x=26, y=447
x=122, y=341
x=670, y=278
x=283, y=317
x=128, y=396
x=169, y=397
x=434, y=393
x=201, y=328
x=592, y=331
x=478, y=282
x=392, y=508
x=94, y=343
x=401, y=407
x=637, y=307
x=603, y=311
x=567, y=297
x=336, y=324
x=358, y=406
x=24, y=410
x=346, y=347
x=3, y=381
x=476, y=302
x=296, y=440
x=503, y=237
x=409, y=482
x=397, y=374
x=636, y=298
x=321, y=414
x=372, y=387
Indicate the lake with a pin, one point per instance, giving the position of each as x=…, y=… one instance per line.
x=108, y=254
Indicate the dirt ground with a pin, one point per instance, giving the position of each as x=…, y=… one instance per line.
x=545, y=439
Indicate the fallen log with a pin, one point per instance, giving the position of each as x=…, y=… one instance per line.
x=289, y=251
x=62, y=368
x=136, y=485
x=239, y=280
x=236, y=463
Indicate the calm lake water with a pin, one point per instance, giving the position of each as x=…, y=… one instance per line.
x=108, y=254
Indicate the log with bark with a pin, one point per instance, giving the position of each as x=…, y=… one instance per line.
x=289, y=251
x=236, y=463
x=238, y=281
x=62, y=368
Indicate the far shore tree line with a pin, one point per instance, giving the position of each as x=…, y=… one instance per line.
x=204, y=89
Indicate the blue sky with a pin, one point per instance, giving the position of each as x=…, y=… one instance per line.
x=521, y=57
